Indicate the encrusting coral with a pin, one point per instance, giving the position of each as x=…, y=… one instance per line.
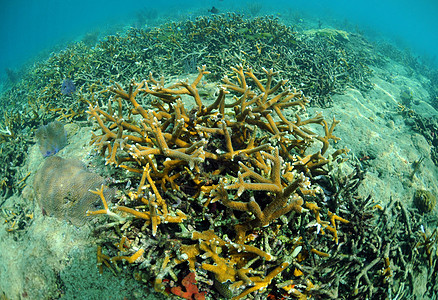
x=191, y=290
x=240, y=149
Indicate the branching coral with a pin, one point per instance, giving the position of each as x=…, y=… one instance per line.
x=157, y=208
x=234, y=266
x=281, y=203
x=241, y=149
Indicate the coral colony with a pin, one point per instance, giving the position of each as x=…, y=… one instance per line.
x=62, y=189
x=238, y=150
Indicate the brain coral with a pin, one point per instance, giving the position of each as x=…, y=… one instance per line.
x=424, y=200
x=51, y=138
x=62, y=189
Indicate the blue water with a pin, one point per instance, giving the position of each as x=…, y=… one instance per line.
x=31, y=27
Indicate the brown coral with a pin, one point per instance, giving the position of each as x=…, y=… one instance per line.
x=62, y=189
x=424, y=200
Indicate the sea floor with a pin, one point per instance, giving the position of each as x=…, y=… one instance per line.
x=53, y=259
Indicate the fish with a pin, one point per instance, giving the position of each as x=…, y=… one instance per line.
x=213, y=10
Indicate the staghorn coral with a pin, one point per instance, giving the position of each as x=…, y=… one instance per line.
x=281, y=204
x=158, y=212
x=230, y=262
x=62, y=189
x=239, y=149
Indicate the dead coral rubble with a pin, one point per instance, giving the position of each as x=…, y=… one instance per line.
x=240, y=155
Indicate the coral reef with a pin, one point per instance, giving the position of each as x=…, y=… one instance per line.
x=238, y=150
x=237, y=158
x=319, y=68
x=235, y=187
x=62, y=189
x=51, y=138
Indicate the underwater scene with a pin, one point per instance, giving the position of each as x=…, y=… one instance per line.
x=219, y=150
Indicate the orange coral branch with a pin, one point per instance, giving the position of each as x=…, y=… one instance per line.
x=280, y=203
x=131, y=259
x=259, y=284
